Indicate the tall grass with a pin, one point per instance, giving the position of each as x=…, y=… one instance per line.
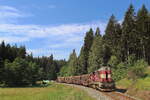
x=52, y=92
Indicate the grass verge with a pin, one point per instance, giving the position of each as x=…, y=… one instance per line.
x=52, y=92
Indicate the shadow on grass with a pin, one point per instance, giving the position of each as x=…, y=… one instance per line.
x=121, y=90
x=29, y=86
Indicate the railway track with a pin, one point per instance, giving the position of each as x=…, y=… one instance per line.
x=118, y=96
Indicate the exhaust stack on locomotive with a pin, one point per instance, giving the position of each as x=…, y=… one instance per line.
x=100, y=79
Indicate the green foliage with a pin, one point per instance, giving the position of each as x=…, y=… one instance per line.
x=110, y=31
x=144, y=38
x=73, y=68
x=140, y=84
x=49, y=66
x=34, y=71
x=84, y=53
x=20, y=72
x=138, y=70
x=64, y=71
x=95, y=55
x=127, y=42
x=18, y=68
x=113, y=61
x=119, y=72
x=131, y=60
x=120, y=47
x=11, y=52
x=106, y=54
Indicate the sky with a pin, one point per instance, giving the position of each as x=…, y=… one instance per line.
x=57, y=27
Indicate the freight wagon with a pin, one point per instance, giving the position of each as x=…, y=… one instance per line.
x=100, y=79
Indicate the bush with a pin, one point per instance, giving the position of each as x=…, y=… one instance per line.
x=120, y=72
x=113, y=61
x=64, y=71
x=20, y=72
x=138, y=70
x=131, y=60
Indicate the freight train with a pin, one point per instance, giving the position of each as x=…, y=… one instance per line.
x=100, y=79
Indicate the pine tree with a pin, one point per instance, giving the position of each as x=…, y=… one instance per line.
x=143, y=34
x=22, y=52
x=106, y=54
x=117, y=41
x=1, y=71
x=97, y=33
x=84, y=53
x=95, y=55
x=3, y=50
x=110, y=32
x=128, y=34
x=148, y=33
x=111, y=39
x=73, y=67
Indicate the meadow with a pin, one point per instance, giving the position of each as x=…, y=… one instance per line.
x=51, y=92
x=139, y=88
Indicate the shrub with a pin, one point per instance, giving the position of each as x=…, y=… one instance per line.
x=120, y=72
x=64, y=71
x=113, y=61
x=131, y=60
x=20, y=72
x=138, y=70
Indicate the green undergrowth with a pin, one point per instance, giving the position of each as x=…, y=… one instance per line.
x=51, y=92
x=140, y=84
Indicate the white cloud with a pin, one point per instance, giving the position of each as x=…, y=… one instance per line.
x=9, y=14
x=13, y=39
x=74, y=39
x=56, y=37
x=65, y=37
x=8, y=8
x=46, y=51
x=44, y=31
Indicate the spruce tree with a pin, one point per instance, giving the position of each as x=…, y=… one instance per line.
x=3, y=50
x=106, y=54
x=110, y=31
x=143, y=34
x=84, y=53
x=111, y=39
x=95, y=55
x=128, y=34
x=73, y=64
x=117, y=41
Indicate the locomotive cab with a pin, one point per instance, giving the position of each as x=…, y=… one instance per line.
x=106, y=82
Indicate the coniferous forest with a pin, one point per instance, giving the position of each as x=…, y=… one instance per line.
x=17, y=68
x=125, y=47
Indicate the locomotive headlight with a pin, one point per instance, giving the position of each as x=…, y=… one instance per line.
x=109, y=76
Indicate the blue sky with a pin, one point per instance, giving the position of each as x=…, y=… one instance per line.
x=56, y=27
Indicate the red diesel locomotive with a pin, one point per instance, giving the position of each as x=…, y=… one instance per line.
x=100, y=79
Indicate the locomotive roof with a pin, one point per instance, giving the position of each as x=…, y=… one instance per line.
x=104, y=68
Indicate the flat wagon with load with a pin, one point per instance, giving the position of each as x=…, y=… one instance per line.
x=100, y=79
